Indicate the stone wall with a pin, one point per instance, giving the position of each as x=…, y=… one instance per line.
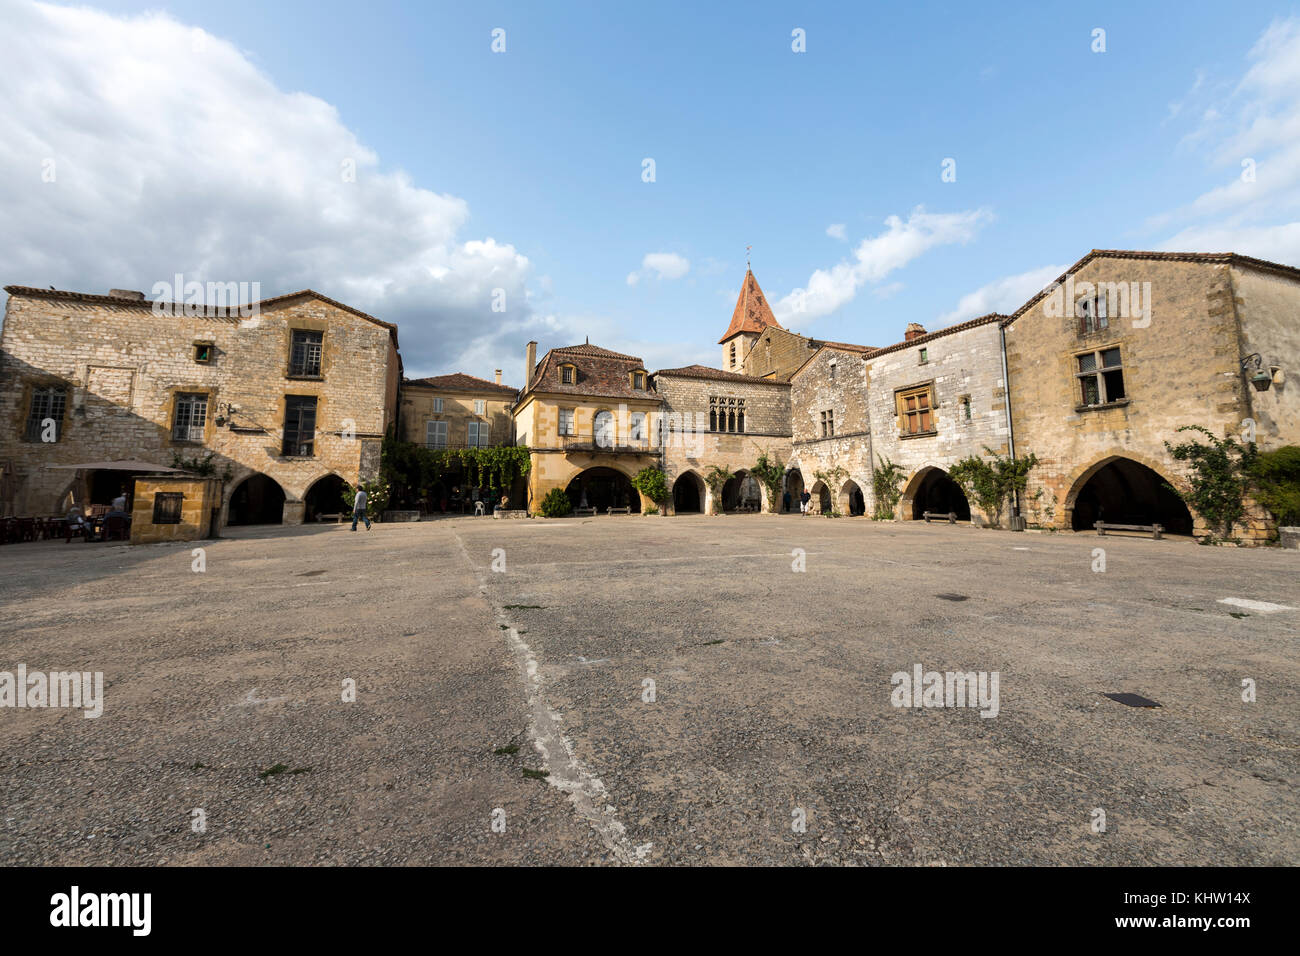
x=964, y=366
x=690, y=455
x=200, y=497
x=122, y=367
x=833, y=381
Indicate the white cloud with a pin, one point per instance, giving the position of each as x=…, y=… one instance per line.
x=660, y=265
x=1255, y=124
x=1004, y=295
x=836, y=230
x=172, y=152
x=1280, y=243
x=876, y=257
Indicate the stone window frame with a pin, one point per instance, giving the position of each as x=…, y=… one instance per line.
x=733, y=353
x=1098, y=373
x=168, y=507
x=315, y=426
x=726, y=414
x=966, y=415
x=1092, y=314
x=924, y=355
x=573, y=422
x=290, y=369
x=25, y=419
x=205, y=351
x=568, y=373
x=173, y=410
x=901, y=412
x=828, y=423
x=595, y=428
x=637, y=379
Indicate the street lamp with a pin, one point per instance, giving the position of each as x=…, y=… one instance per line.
x=1261, y=378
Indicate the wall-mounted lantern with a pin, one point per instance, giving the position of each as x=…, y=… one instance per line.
x=1259, y=376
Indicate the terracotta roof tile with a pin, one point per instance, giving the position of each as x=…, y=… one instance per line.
x=703, y=371
x=601, y=373
x=460, y=382
x=752, y=313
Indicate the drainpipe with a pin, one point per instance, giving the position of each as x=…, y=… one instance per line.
x=1006, y=393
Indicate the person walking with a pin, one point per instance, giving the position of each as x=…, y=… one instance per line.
x=803, y=501
x=359, y=509
x=785, y=502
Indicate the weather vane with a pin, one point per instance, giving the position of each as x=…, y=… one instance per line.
x=747, y=248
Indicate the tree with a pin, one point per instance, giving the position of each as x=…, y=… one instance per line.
x=555, y=504
x=886, y=482
x=993, y=483
x=1276, y=479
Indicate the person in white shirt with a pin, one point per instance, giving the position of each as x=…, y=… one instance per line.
x=359, y=509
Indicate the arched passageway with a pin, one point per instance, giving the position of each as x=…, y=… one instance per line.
x=324, y=497
x=936, y=492
x=256, y=500
x=1123, y=491
x=688, y=494
x=852, y=501
x=602, y=488
x=741, y=493
x=794, y=488
x=821, y=498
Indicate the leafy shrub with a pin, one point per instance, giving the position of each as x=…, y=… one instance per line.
x=555, y=504
x=772, y=475
x=1217, y=477
x=651, y=483
x=1276, y=477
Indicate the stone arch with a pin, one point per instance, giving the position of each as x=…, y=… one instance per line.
x=794, y=485
x=261, y=502
x=852, y=500
x=689, y=493
x=931, y=488
x=820, y=503
x=1125, y=488
x=742, y=489
x=324, y=495
x=603, y=486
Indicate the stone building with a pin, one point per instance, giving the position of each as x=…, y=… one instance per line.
x=723, y=419
x=936, y=398
x=290, y=396
x=456, y=411
x=831, y=430
x=1125, y=348
x=588, y=415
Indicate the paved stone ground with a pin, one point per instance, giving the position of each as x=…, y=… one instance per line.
x=772, y=694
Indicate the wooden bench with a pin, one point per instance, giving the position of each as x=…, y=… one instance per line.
x=611, y=510
x=1155, y=529
x=338, y=517
x=950, y=516
x=585, y=511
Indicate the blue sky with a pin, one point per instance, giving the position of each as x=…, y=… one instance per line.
x=1058, y=150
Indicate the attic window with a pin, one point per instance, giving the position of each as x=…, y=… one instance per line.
x=638, y=380
x=566, y=374
x=925, y=356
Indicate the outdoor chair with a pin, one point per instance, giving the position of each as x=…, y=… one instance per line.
x=115, y=528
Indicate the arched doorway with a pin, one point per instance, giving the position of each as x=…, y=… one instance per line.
x=820, y=503
x=324, y=497
x=602, y=488
x=1123, y=491
x=794, y=488
x=256, y=500
x=852, y=501
x=741, y=492
x=936, y=492
x=688, y=494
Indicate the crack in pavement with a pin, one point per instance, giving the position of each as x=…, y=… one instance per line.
x=567, y=773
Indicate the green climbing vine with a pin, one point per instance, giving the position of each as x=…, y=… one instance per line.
x=772, y=474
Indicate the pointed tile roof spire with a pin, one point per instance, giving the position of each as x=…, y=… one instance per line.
x=752, y=313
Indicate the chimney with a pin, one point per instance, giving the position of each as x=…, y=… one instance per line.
x=126, y=294
x=914, y=331
x=498, y=376
x=530, y=363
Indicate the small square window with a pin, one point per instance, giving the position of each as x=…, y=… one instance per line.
x=566, y=375
x=167, y=507
x=437, y=405
x=203, y=352
x=925, y=356
x=480, y=406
